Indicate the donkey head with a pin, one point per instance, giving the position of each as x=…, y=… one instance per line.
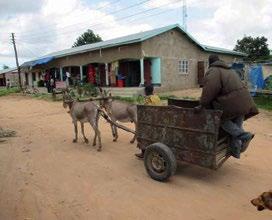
x=106, y=101
x=67, y=99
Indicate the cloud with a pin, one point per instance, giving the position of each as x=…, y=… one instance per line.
x=15, y=7
x=51, y=29
x=164, y=3
x=232, y=20
x=178, y=4
x=45, y=26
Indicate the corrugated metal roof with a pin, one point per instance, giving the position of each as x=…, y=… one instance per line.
x=222, y=50
x=7, y=70
x=134, y=38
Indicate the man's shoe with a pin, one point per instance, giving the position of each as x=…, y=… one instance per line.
x=235, y=155
x=246, y=141
x=245, y=136
x=235, y=151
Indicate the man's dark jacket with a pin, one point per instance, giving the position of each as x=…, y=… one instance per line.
x=223, y=89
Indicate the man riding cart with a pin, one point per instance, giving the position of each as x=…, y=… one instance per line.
x=223, y=90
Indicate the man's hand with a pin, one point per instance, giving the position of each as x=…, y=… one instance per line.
x=198, y=108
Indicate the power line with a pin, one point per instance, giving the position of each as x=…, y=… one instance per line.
x=78, y=15
x=97, y=24
x=76, y=24
x=130, y=22
x=148, y=16
x=133, y=21
x=28, y=49
x=184, y=14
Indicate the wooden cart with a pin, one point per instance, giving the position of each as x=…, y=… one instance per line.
x=177, y=132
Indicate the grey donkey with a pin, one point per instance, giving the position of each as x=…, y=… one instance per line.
x=118, y=111
x=83, y=112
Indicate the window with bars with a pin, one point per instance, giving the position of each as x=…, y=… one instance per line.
x=183, y=66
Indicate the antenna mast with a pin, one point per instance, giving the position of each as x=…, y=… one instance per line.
x=184, y=14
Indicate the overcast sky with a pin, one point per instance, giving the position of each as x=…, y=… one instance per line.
x=44, y=26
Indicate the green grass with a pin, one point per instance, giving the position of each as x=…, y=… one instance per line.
x=48, y=97
x=166, y=97
x=140, y=99
x=264, y=102
x=134, y=99
x=4, y=91
x=45, y=96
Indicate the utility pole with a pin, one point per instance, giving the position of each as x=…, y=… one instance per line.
x=17, y=62
x=184, y=14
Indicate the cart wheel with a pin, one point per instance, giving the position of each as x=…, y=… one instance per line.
x=160, y=162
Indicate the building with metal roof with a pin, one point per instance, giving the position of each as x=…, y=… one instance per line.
x=9, y=74
x=168, y=57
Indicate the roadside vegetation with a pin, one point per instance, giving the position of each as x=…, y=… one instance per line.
x=140, y=99
x=264, y=102
x=4, y=91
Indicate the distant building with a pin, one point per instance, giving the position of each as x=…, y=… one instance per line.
x=167, y=57
x=10, y=74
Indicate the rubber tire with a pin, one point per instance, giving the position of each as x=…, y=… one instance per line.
x=169, y=157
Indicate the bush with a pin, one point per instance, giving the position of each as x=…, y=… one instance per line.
x=264, y=102
x=268, y=83
x=40, y=83
x=87, y=89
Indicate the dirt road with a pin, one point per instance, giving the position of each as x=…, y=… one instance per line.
x=43, y=175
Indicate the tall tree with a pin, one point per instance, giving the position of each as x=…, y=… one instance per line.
x=5, y=66
x=256, y=48
x=87, y=37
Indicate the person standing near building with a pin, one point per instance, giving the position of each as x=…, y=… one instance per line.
x=52, y=84
x=68, y=78
x=8, y=84
x=47, y=81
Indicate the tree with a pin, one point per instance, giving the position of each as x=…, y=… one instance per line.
x=87, y=37
x=256, y=48
x=5, y=66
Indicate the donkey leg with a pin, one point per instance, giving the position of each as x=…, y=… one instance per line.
x=94, y=141
x=113, y=132
x=95, y=124
x=76, y=133
x=82, y=131
x=97, y=134
x=116, y=133
x=133, y=139
x=135, y=135
x=99, y=139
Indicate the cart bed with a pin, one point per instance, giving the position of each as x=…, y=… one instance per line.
x=193, y=137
